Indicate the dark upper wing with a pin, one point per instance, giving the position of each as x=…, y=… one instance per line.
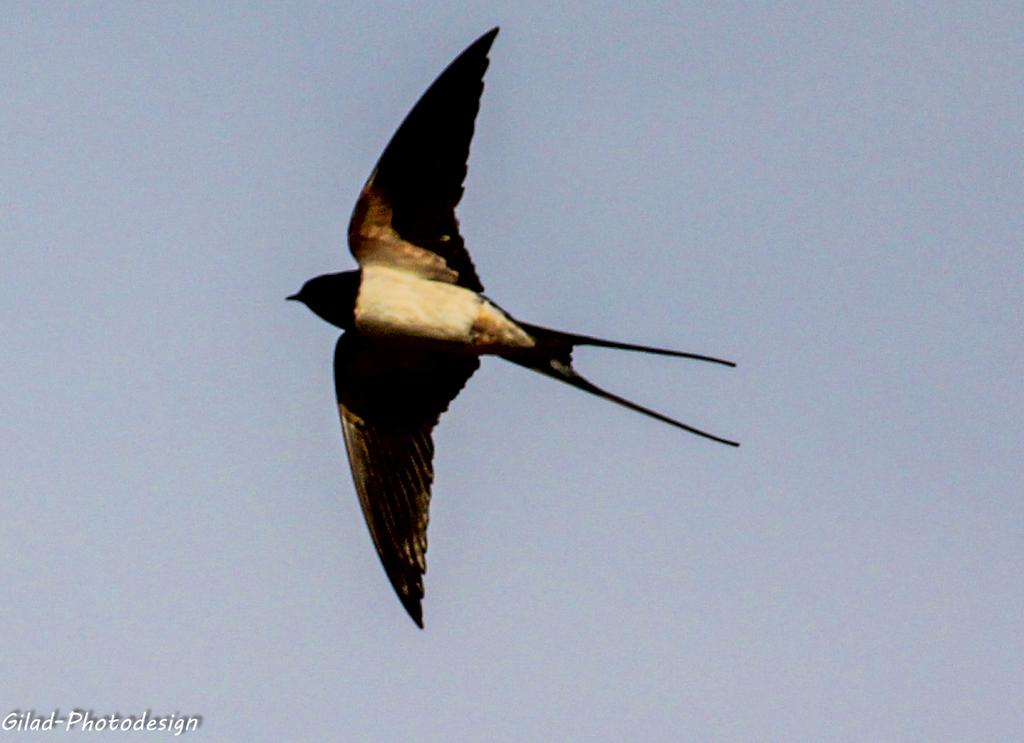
x=390, y=402
x=405, y=215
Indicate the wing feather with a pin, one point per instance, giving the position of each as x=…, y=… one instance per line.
x=405, y=215
x=389, y=403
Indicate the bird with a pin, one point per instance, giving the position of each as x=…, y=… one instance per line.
x=416, y=321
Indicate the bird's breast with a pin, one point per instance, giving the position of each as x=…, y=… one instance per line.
x=396, y=303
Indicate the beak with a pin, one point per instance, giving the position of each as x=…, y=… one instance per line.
x=293, y=297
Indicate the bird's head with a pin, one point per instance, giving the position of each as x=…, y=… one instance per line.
x=331, y=297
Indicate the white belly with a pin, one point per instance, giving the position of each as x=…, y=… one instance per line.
x=392, y=302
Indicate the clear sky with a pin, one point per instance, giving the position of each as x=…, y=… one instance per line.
x=830, y=194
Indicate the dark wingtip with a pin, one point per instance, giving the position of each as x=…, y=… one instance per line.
x=485, y=41
x=415, y=610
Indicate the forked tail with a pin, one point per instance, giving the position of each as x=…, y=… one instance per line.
x=553, y=357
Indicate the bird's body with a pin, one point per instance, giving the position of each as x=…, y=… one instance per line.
x=391, y=303
x=395, y=302
x=416, y=321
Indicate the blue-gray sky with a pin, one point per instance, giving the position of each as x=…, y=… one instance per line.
x=831, y=194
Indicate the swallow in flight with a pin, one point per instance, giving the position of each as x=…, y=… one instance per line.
x=416, y=322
